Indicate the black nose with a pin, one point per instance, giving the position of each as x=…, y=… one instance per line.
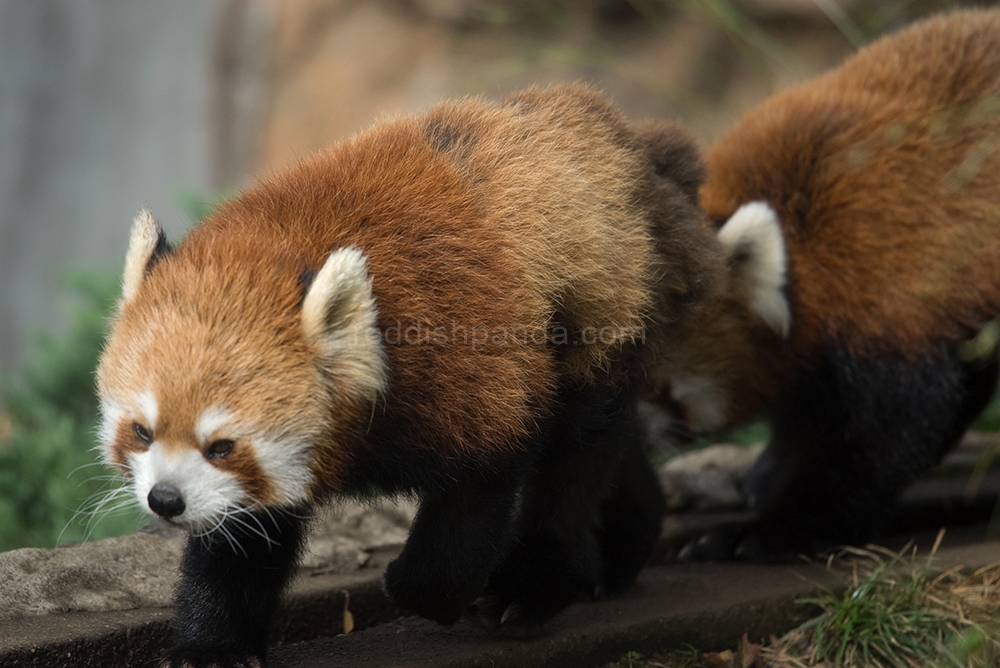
x=165, y=500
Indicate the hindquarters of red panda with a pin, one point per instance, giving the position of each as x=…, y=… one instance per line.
x=861, y=216
x=459, y=306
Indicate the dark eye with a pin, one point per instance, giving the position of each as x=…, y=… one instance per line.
x=219, y=448
x=142, y=433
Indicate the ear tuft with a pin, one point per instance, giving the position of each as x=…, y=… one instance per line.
x=339, y=318
x=757, y=256
x=146, y=243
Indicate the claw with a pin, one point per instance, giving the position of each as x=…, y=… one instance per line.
x=512, y=613
x=688, y=553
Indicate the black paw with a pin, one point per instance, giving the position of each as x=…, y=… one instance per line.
x=210, y=657
x=719, y=544
x=422, y=592
x=631, y=522
x=754, y=543
x=536, y=582
x=522, y=613
x=505, y=616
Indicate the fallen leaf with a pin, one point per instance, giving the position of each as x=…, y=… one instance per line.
x=348, y=617
x=748, y=651
x=724, y=659
x=348, y=621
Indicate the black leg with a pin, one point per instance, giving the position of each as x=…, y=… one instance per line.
x=631, y=520
x=559, y=557
x=231, y=581
x=458, y=537
x=849, y=438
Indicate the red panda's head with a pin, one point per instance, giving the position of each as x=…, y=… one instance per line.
x=228, y=372
x=717, y=373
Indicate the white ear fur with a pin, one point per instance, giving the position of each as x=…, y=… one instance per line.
x=145, y=237
x=339, y=318
x=756, y=246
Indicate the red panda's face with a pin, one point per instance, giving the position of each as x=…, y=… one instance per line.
x=194, y=437
x=219, y=385
x=217, y=412
x=714, y=373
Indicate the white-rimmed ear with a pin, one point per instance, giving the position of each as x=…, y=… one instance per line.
x=147, y=242
x=339, y=319
x=758, y=262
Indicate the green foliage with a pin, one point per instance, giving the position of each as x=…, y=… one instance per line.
x=897, y=612
x=989, y=419
x=51, y=479
x=901, y=614
x=750, y=434
x=199, y=205
x=53, y=486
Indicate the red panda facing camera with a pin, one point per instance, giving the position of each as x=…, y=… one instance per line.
x=458, y=306
x=861, y=217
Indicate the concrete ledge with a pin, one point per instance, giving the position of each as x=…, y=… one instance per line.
x=86, y=639
x=706, y=605
x=138, y=637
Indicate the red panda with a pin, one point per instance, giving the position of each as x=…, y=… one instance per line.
x=459, y=306
x=860, y=213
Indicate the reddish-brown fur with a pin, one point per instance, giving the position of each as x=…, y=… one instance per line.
x=477, y=218
x=884, y=178
x=519, y=265
x=884, y=174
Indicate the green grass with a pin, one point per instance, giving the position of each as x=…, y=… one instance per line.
x=897, y=611
x=883, y=620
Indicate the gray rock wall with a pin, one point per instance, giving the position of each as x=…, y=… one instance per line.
x=104, y=107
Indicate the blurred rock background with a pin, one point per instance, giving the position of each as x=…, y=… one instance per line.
x=109, y=105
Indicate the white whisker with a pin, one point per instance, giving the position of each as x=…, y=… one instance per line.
x=262, y=532
x=98, y=506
